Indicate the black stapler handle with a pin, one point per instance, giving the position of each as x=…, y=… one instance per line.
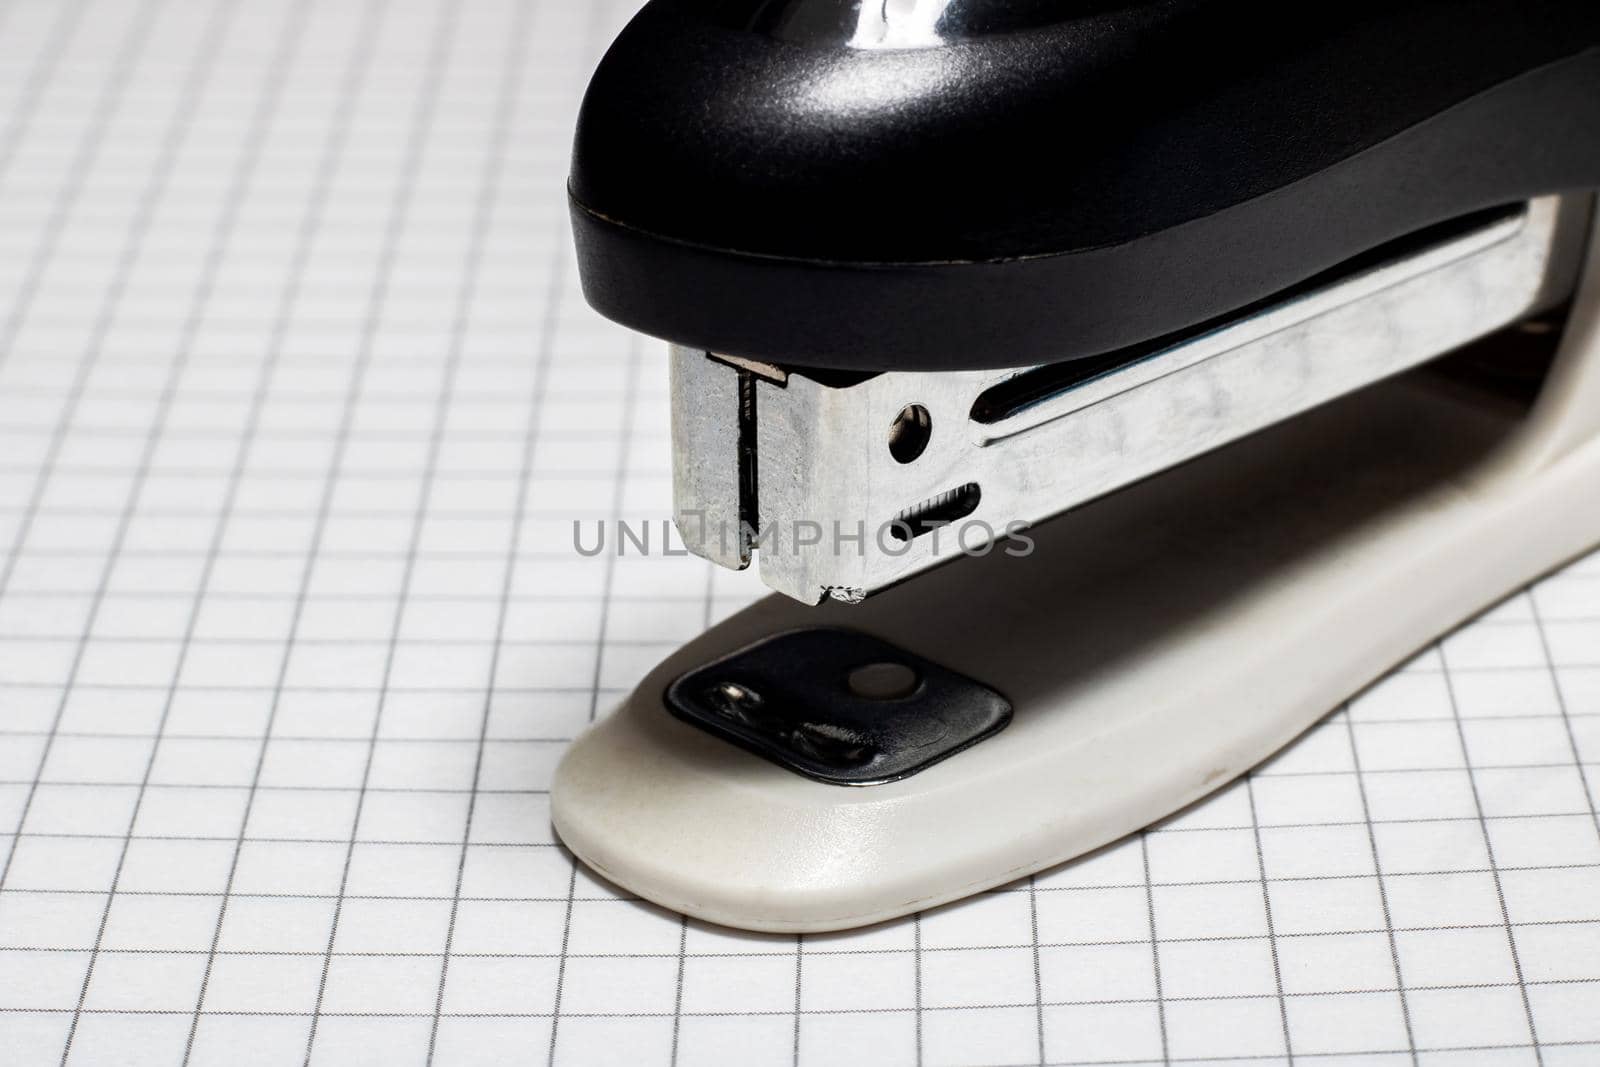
x=887, y=185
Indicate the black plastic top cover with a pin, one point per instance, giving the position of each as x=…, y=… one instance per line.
x=888, y=184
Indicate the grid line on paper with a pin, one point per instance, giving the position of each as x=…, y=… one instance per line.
x=125, y=259
x=799, y=992
x=916, y=949
x=1494, y=872
x=1266, y=907
x=123, y=65
x=23, y=108
x=291, y=636
x=786, y=1016
x=219, y=240
x=354, y=76
x=71, y=187
x=1383, y=891
x=505, y=113
x=443, y=38
x=1038, y=976
x=1418, y=771
x=601, y=639
x=1565, y=712
x=1155, y=946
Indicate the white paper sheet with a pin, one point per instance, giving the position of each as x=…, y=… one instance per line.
x=298, y=401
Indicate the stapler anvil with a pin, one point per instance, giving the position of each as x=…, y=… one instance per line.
x=1293, y=319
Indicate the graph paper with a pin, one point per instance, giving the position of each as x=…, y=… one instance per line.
x=298, y=402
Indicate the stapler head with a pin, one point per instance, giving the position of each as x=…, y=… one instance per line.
x=1293, y=322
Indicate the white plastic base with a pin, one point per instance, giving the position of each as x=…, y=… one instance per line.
x=1155, y=645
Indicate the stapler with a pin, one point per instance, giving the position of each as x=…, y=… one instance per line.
x=1228, y=355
